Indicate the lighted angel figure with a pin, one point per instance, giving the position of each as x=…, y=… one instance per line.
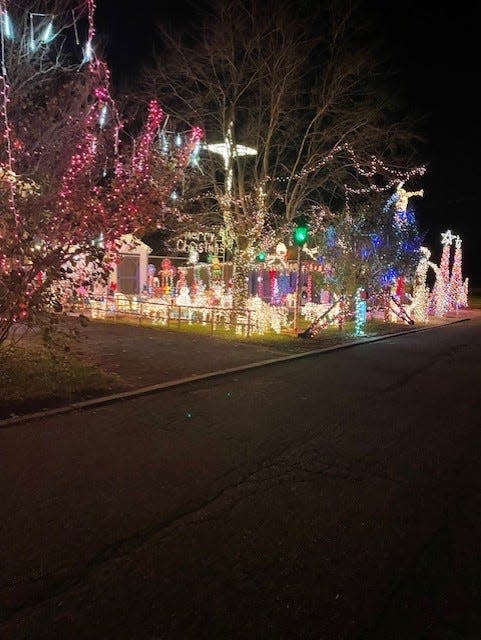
x=401, y=203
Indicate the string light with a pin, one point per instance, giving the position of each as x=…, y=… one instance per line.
x=46, y=36
x=103, y=116
x=360, y=312
x=88, y=51
x=5, y=89
x=7, y=26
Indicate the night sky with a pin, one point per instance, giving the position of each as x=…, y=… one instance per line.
x=436, y=52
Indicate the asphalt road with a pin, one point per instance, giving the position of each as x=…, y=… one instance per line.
x=336, y=496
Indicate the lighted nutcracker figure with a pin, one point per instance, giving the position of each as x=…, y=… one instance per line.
x=167, y=273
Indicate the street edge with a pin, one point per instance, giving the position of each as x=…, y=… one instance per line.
x=135, y=393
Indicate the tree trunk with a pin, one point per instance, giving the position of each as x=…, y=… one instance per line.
x=240, y=280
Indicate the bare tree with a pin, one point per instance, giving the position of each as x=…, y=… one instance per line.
x=302, y=90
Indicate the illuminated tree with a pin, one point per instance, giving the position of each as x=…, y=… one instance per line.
x=69, y=184
x=365, y=247
x=263, y=76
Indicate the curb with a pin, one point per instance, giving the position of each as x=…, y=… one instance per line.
x=135, y=393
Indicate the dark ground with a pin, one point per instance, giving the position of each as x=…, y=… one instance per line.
x=332, y=497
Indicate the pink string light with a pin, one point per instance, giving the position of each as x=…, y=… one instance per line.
x=7, y=131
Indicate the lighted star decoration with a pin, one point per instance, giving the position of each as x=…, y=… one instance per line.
x=447, y=237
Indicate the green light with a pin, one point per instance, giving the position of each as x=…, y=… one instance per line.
x=299, y=235
x=261, y=256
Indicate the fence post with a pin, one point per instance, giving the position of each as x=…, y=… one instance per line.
x=211, y=322
x=249, y=323
x=179, y=309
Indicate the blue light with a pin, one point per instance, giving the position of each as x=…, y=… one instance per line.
x=7, y=26
x=330, y=236
x=173, y=195
x=178, y=140
x=394, y=198
x=388, y=276
x=376, y=240
x=364, y=253
x=361, y=309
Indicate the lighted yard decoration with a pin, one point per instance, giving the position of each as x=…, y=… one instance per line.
x=450, y=291
x=418, y=309
x=401, y=200
x=266, y=161
x=440, y=300
x=458, y=290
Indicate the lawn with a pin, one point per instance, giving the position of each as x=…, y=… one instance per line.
x=33, y=378
x=475, y=299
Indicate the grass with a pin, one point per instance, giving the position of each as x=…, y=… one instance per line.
x=34, y=378
x=287, y=341
x=474, y=299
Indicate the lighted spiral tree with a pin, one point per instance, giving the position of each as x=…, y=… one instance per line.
x=440, y=295
x=456, y=286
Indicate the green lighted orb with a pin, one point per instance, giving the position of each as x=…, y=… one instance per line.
x=299, y=235
x=261, y=256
